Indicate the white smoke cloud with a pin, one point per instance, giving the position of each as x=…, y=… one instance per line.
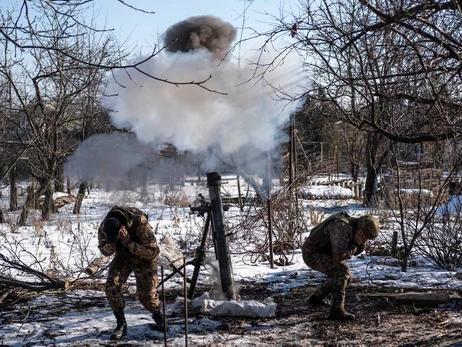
x=239, y=113
x=193, y=118
x=108, y=157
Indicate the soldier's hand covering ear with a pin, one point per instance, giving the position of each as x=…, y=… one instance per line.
x=124, y=237
x=360, y=238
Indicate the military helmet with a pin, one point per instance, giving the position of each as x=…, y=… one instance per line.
x=370, y=225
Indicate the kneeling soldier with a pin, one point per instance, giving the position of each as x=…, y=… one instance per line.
x=329, y=244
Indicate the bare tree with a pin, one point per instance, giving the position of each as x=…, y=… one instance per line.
x=23, y=28
x=441, y=242
x=54, y=94
x=415, y=200
x=390, y=68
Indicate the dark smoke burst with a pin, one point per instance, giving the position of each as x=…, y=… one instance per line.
x=201, y=32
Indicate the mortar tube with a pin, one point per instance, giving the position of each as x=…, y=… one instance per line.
x=222, y=247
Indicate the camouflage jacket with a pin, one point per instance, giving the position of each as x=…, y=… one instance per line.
x=336, y=237
x=142, y=244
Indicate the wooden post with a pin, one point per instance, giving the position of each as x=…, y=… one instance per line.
x=269, y=205
x=270, y=234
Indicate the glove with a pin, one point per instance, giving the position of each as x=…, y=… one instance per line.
x=124, y=237
x=360, y=238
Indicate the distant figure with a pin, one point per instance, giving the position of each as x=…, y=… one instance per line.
x=126, y=232
x=331, y=242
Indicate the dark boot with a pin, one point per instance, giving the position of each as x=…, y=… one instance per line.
x=337, y=310
x=159, y=319
x=341, y=314
x=320, y=294
x=314, y=300
x=121, y=329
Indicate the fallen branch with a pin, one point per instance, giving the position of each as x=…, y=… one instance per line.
x=97, y=266
x=44, y=282
x=5, y=295
x=34, y=286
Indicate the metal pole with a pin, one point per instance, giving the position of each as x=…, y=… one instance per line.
x=222, y=248
x=270, y=234
x=270, y=212
x=291, y=151
x=185, y=291
x=163, y=305
x=292, y=173
x=239, y=193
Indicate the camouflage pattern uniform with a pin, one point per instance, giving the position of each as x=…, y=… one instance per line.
x=326, y=252
x=139, y=256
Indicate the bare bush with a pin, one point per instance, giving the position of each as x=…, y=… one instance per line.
x=441, y=241
x=251, y=230
x=175, y=197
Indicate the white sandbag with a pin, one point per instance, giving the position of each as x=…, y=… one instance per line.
x=249, y=308
x=169, y=254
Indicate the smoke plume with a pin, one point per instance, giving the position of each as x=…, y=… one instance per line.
x=238, y=110
x=108, y=157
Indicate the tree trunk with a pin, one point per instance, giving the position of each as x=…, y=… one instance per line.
x=59, y=179
x=69, y=187
x=370, y=188
x=48, y=205
x=80, y=196
x=13, y=189
x=354, y=171
x=405, y=260
x=370, y=193
x=28, y=204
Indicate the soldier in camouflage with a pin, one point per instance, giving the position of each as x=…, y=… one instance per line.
x=125, y=232
x=330, y=243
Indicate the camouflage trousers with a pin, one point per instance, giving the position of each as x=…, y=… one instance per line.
x=338, y=274
x=146, y=283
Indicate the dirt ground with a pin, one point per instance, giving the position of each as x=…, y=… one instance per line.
x=380, y=321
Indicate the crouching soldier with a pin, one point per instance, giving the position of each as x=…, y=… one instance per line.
x=330, y=243
x=126, y=232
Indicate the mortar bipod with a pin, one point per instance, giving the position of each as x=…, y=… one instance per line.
x=199, y=258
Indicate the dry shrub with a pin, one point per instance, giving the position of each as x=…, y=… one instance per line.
x=176, y=198
x=441, y=241
x=316, y=216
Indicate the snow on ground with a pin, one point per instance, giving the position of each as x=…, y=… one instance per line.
x=67, y=243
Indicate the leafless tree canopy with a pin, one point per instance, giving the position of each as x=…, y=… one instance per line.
x=26, y=25
x=388, y=68
x=392, y=67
